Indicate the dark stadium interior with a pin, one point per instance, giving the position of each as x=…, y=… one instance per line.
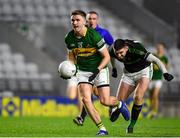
x=168, y=11
x=32, y=41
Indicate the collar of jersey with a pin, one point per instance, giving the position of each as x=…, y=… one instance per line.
x=84, y=33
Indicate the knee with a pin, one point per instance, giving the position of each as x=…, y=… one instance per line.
x=138, y=99
x=86, y=100
x=104, y=101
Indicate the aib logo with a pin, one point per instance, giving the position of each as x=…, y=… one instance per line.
x=10, y=106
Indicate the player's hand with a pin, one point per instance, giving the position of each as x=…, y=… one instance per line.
x=114, y=73
x=93, y=76
x=168, y=76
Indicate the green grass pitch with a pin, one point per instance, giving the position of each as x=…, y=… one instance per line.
x=64, y=127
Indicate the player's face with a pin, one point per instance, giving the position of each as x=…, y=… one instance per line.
x=160, y=48
x=121, y=53
x=92, y=20
x=77, y=22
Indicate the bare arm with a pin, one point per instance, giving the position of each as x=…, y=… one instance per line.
x=106, y=57
x=70, y=56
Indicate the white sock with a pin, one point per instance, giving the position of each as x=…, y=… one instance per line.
x=120, y=104
x=103, y=128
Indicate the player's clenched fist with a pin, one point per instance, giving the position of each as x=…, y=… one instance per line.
x=168, y=76
x=93, y=76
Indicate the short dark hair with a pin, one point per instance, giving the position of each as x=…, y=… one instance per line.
x=162, y=43
x=79, y=12
x=118, y=44
x=93, y=12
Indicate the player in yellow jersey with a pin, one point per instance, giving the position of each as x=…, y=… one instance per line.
x=93, y=22
x=87, y=49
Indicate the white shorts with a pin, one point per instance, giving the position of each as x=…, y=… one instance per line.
x=102, y=79
x=73, y=81
x=132, y=78
x=156, y=84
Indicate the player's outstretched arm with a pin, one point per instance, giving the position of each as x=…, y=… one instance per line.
x=161, y=66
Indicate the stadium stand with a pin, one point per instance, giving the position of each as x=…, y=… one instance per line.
x=45, y=22
x=18, y=75
x=56, y=12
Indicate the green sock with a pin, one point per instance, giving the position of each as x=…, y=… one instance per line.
x=132, y=123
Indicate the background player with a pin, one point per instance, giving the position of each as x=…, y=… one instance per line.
x=136, y=76
x=93, y=21
x=157, y=81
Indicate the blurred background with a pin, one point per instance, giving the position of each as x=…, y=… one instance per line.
x=32, y=46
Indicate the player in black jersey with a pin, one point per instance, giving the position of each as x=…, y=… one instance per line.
x=136, y=77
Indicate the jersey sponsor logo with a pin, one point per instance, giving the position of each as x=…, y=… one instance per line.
x=84, y=51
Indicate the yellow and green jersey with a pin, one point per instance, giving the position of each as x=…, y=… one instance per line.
x=157, y=73
x=86, y=49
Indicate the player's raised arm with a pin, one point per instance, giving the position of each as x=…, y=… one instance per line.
x=161, y=66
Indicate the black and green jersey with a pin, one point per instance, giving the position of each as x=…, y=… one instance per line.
x=157, y=73
x=85, y=49
x=135, y=59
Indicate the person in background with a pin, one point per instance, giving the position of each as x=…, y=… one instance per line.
x=93, y=21
x=157, y=79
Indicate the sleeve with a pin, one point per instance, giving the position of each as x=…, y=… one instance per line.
x=152, y=58
x=108, y=38
x=67, y=42
x=99, y=41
